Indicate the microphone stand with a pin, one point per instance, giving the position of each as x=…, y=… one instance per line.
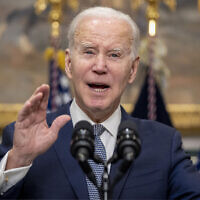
x=105, y=191
x=107, y=185
x=105, y=182
x=104, y=188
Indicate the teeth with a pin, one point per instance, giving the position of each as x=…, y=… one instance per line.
x=99, y=90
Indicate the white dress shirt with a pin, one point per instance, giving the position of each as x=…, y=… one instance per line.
x=109, y=136
x=8, y=178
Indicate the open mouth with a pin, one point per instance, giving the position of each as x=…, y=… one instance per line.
x=98, y=87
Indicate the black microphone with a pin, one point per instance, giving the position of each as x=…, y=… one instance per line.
x=128, y=141
x=128, y=148
x=82, y=143
x=82, y=147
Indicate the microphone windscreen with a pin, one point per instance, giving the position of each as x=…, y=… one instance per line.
x=127, y=124
x=82, y=142
x=83, y=125
x=128, y=139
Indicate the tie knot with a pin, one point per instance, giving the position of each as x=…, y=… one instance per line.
x=98, y=129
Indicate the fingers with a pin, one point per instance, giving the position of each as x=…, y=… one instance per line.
x=58, y=123
x=38, y=100
x=45, y=90
x=41, y=88
x=29, y=106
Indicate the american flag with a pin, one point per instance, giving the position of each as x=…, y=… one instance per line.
x=59, y=87
x=142, y=110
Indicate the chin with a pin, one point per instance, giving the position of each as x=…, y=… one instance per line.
x=97, y=105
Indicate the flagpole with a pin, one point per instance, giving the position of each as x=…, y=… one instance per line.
x=152, y=15
x=151, y=81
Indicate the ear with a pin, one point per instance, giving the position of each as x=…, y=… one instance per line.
x=134, y=67
x=68, y=69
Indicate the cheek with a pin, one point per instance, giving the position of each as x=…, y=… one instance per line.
x=77, y=71
x=121, y=78
x=80, y=68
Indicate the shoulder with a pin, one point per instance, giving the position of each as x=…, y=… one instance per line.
x=154, y=134
x=150, y=127
x=153, y=126
x=154, y=130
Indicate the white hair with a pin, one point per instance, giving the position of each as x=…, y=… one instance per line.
x=108, y=13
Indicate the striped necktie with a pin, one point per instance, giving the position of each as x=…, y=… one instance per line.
x=97, y=168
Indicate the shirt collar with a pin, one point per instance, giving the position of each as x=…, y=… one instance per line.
x=111, y=124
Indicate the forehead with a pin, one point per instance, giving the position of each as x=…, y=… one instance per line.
x=105, y=30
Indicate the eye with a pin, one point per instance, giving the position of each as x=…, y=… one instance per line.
x=114, y=55
x=89, y=52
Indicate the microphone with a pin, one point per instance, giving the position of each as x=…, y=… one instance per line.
x=82, y=143
x=128, y=148
x=82, y=147
x=128, y=142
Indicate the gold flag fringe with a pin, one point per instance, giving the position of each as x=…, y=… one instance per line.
x=59, y=56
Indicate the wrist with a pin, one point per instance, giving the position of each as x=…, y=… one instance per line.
x=16, y=160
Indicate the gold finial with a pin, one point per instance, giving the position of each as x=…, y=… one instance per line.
x=152, y=9
x=152, y=15
x=40, y=6
x=55, y=29
x=73, y=4
x=55, y=16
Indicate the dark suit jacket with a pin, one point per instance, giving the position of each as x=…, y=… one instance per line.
x=162, y=170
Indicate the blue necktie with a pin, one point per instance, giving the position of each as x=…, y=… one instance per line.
x=97, y=168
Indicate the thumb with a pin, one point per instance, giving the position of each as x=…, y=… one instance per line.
x=59, y=122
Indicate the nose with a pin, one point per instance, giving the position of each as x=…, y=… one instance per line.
x=100, y=65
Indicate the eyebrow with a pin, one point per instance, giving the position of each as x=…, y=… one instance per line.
x=86, y=45
x=116, y=49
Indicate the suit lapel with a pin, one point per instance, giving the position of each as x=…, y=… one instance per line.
x=119, y=186
x=114, y=168
x=70, y=166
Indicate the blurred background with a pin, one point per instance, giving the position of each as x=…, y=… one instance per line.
x=33, y=37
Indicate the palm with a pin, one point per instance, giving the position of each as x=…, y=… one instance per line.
x=32, y=135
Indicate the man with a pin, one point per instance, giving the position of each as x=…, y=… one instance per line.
x=101, y=60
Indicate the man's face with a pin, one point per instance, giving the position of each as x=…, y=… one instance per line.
x=100, y=65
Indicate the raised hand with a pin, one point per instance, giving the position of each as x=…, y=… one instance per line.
x=32, y=136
